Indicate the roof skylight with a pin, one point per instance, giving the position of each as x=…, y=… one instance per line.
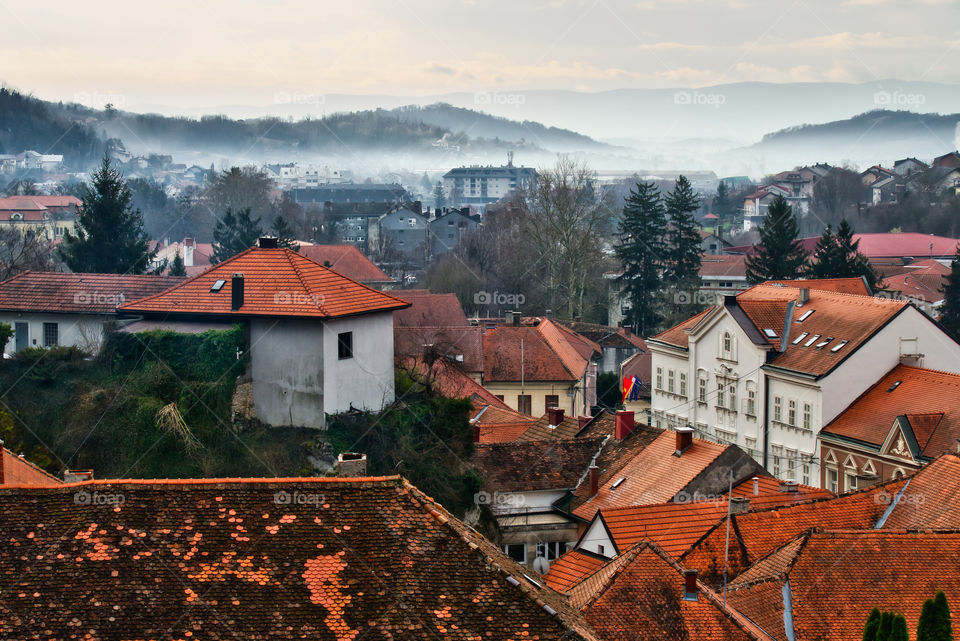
x=769, y=332
x=618, y=482
x=805, y=315
x=217, y=286
x=838, y=346
x=813, y=340
x=824, y=342
x=800, y=338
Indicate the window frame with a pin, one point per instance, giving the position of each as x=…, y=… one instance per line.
x=47, y=327
x=345, y=345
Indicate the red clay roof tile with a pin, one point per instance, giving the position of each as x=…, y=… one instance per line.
x=78, y=293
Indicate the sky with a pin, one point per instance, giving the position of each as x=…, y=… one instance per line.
x=208, y=53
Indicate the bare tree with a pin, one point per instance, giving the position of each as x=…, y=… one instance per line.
x=21, y=251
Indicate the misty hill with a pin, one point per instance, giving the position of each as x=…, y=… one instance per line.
x=30, y=124
x=483, y=125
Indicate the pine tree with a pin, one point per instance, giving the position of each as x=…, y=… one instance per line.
x=950, y=315
x=235, y=233
x=852, y=261
x=780, y=255
x=873, y=624
x=641, y=234
x=885, y=629
x=683, y=238
x=284, y=234
x=899, y=630
x=721, y=202
x=934, y=623
x=439, y=197
x=177, y=268
x=109, y=236
x=826, y=256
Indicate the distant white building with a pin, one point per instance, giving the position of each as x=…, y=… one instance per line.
x=482, y=185
x=296, y=176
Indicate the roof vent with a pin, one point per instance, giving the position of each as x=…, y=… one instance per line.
x=894, y=386
x=269, y=242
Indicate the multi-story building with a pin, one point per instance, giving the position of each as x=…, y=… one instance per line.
x=482, y=185
x=768, y=368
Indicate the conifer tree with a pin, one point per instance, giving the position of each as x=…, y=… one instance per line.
x=683, y=238
x=177, y=268
x=109, y=236
x=873, y=624
x=284, y=234
x=899, y=630
x=640, y=249
x=235, y=233
x=885, y=629
x=779, y=255
x=934, y=623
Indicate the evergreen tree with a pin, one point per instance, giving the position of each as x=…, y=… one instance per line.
x=235, y=233
x=950, y=315
x=899, y=630
x=284, y=234
x=721, y=202
x=885, y=629
x=177, y=268
x=851, y=261
x=873, y=624
x=934, y=623
x=683, y=238
x=780, y=255
x=109, y=236
x=439, y=197
x=640, y=249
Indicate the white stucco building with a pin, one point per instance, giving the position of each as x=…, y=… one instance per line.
x=769, y=368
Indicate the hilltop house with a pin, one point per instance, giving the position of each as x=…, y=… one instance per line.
x=47, y=309
x=769, y=368
x=320, y=343
x=47, y=216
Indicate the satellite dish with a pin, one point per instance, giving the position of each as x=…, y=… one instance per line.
x=541, y=565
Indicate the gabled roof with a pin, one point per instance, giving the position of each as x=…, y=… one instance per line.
x=541, y=430
x=676, y=335
x=430, y=310
x=856, y=285
x=462, y=344
x=547, y=353
x=729, y=265
x=59, y=292
x=571, y=569
x=911, y=392
x=530, y=466
x=259, y=558
x=495, y=424
x=277, y=282
x=922, y=281
x=17, y=470
x=931, y=498
x=860, y=569
x=348, y=261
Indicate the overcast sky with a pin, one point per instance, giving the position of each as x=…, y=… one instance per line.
x=208, y=52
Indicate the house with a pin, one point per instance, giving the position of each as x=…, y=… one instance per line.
x=196, y=257
x=950, y=159
x=17, y=471
x=47, y=216
x=904, y=421
x=906, y=167
x=767, y=369
x=404, y=232
x=636, y=383
x=881, y=185
x=349, y=261
x=320, y=343
x=724, y=275
x=617, y=343
x=940, y=181
x=430, y=310
x=480, y=186
x=49, y=309
x=318, y=558
x=449, y=228
x=921, y=282
x=710, y=243
x=755, y=205
x=793, y=594
x=350, y=193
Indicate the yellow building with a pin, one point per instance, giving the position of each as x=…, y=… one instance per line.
x=47, y=216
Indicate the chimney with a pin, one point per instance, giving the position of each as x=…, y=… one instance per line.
x=625, y=424
x=554, y=416
x=236, y=292
x=583, y=420
x=756, y=486
x=476, y=432
x=739, y=505
x=351, y=464
x=789, y=486
x=684, y=439
x=594, y=480
x=626, y=330
x=804, y=296
x=77, y=476
x=188, y=248
x=268, y=242
x=689, y=585
x=514, y=318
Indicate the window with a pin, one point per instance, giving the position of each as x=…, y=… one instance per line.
x=51, y=334
x=832, y=480
x=751, y=444
x=791, y=412
x=702, y=389
x=217, y=286
x=792, y=465
x=345, y=345
x=721, y=396
x=727, y=343
x=499, y=396
x=670, y=377
x=524, y=405
x=806, y=416
x=806, y=474
x=751, y=402
x=850, y=482
x=551, y=400
x=550, y=550
x=776, y=465
x=733, y=397
x=516, y=551
x=683, y=384
x=660, y=378
x=777, y=408
x=600, y=549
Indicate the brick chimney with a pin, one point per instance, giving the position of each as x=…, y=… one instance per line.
x=351, y=464
x=594, y=480
x=684, y=440
x=554, y=416
x=583, y=420
x=236, y=292
x=625, y=424
x=689, y=585
x=739, y=504
x=476, y=432
x=789, y=486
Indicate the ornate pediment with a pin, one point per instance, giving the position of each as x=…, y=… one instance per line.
x=897, y=443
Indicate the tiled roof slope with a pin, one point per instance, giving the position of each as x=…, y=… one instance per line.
x=540, y=429
x=572, y=568
x=346, y=260
x=549, y=353
x=676, y=335
x=756, y=534
x=368, y=558
x=732, y=265
x=770, y=494
x=430, y=310
x=463, y=344
x=496, y=424
x=931, y=499
x=449, y=380
x=922, y=281
x=643, y=599
x=535, y=465
x=837, y=577
x=277, y=282
x=15, y=470
x=910, y=391
x=78, y=293
x=837, y=285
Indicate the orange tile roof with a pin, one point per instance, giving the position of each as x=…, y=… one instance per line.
x=654, y=475
x=78, y=293
x=837, y=577
x=733, y=265
x=572, y=568
x=929, y=398
x=459, y=343
x=346, y=260
x=277, y=282
x=546, y=354
x=676, y=335
x=837, y=285
x=771, y=495
x=449, y=380
x=18, y=471
x=500, y=432
x=429, y=310
x=540, y=429
x=259, y=558
x=931, y=498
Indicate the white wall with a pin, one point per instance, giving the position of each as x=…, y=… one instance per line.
x=286, y=364
x=82, y=330
x=596, y=536
x=366, y=380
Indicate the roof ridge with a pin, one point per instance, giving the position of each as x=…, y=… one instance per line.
x=307, y=258
x=238, y=481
